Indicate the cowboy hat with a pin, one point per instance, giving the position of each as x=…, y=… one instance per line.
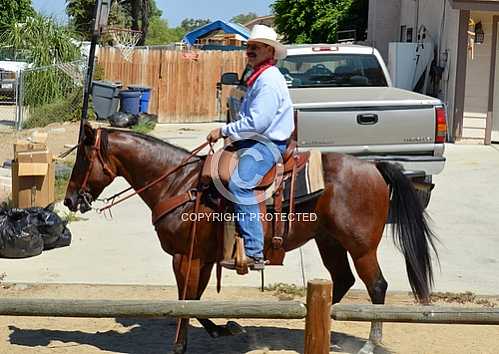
x=266, y=35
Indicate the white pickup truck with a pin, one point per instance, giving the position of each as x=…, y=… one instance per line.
x=344, y=102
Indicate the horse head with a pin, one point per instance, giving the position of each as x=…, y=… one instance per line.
x=92, y=171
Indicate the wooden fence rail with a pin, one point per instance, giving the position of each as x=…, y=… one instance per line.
x=244, y=309
x=152, y=308
x=416, y=314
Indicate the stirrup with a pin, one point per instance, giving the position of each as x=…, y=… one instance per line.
x=228, y=263
x=252, y=264
x=257, y=264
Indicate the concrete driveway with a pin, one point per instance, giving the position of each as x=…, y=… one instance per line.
x=125, y=249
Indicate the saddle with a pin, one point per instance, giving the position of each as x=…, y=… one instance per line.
x=219, y=167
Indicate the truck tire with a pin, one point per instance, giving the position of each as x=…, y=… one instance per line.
x=425, y=195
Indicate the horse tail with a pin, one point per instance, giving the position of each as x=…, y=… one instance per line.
x=410, y=230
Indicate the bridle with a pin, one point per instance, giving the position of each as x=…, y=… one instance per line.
x=95, y=154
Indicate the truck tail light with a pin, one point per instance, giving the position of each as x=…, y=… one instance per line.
x=441, y=125
x=294, y=135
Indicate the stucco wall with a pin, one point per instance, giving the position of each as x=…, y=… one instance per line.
x=448, y=49
x=383, y=24
x=478, y=69
x=427, y=13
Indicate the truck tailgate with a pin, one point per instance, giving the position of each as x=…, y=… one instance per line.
x=375, y=120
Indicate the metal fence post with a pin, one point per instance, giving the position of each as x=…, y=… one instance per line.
x=20, y=100
x=318, y=320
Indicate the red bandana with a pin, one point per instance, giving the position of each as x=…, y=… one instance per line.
x=258, y=70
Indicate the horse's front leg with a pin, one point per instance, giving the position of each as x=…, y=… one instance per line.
x=214, y=330
x=181, y=268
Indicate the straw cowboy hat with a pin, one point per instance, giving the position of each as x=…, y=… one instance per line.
x=267, y=35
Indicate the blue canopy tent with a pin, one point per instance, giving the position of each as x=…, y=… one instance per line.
x=228, y=27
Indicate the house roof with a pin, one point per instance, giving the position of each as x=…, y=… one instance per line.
x=228, y=27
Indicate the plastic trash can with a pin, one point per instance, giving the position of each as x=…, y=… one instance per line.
x=145, y=97
x=105, y=97
x=130, y=101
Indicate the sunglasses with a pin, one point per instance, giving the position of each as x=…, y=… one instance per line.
x=256, y=46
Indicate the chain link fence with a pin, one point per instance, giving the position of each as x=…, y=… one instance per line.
x=8, y=97
x=50, y=94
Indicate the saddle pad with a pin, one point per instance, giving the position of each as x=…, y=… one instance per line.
x=309, y=182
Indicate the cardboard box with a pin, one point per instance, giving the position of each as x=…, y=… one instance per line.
x=42, y=156
x=26, y=145
x=37, y=142
x=33, y=173
x=33, y=184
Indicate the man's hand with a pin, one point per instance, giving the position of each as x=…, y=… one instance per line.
x=214, y=135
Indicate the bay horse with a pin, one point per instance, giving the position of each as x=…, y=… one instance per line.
x=351, y=216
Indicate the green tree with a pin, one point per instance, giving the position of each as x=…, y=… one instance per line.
x=356, y=18
x=14, y=11
x=316, y=21
x=244, y=18
x=80, y=13
x=160, y=33
x=190, y=24
x=134, y=14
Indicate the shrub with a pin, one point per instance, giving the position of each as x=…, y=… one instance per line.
x=62, y=110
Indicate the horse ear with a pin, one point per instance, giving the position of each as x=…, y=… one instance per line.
x=89, y=133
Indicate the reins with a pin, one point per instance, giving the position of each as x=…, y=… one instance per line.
x=157, y=180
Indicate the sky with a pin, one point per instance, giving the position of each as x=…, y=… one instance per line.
x=176, y=10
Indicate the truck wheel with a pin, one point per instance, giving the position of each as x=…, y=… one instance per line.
x=424, y=194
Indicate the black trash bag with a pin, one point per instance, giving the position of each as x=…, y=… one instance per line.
x=63, y=240
x=18, y=237
x=50, y=226
x=26, y=232
x=122, y=120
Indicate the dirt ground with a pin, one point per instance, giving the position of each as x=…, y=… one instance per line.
x=59, y=135
x=141, y=336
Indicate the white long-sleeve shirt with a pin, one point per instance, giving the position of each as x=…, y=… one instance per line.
x=266, y=109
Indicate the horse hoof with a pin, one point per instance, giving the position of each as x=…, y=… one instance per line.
x=336, y=348
x=368, y=348
x=235, y=328
x=231, y=328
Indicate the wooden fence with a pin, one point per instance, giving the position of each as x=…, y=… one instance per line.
x=317, y=311
x=183, y=88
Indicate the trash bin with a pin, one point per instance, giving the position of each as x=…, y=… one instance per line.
x=105, y=98
x=145, y=97
x=130, y=101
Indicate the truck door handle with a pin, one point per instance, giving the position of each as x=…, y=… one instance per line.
x=367, y=119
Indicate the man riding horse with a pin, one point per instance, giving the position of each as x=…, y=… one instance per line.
x=264, y=126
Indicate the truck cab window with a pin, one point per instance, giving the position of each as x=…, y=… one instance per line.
x=332, y=70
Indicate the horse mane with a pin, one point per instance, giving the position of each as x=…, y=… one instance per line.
x=148, y=138
x=104, y=142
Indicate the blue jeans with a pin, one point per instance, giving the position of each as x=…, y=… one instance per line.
x=253, y=164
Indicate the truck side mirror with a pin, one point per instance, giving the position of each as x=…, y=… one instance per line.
x=230, y=79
